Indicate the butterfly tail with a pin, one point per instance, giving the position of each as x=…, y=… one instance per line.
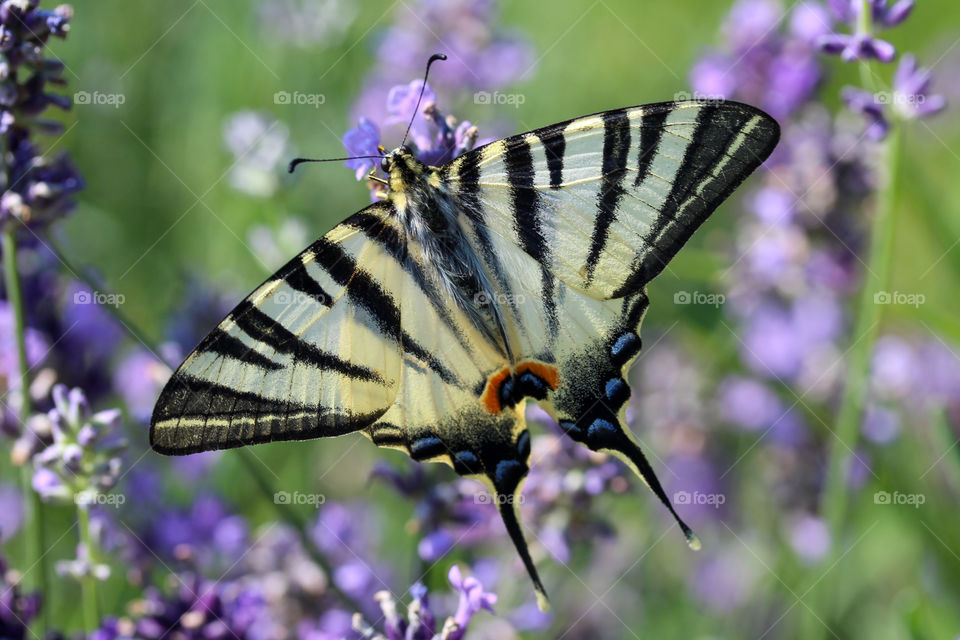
x=505, y=484
x=508, y=511
x=617, y=440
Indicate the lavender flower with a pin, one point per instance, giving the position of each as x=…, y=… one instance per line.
x=364, y=140
x=196, y=608
x=473, y=599
x=911, y=91
x=82, y=566
x=434, y=138
x=206, y=535
x=866, y=104
x=481, y=56
x=888, y=15
x=17, y=609
x=810, y=538
x=82, y=461
x=37, y=190
x=857, y=46
x=757, y=64
x=861, y=45
x=420, y=622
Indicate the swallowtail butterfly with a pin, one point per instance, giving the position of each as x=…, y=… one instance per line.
x=517, y=271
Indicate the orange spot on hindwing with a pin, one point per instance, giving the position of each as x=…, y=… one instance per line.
x=505, y=388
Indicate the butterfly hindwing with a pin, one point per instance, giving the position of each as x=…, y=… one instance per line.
x=314, y=351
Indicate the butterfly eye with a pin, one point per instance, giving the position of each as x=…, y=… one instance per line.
x=385, y=165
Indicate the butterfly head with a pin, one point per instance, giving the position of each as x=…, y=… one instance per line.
x=403, y=168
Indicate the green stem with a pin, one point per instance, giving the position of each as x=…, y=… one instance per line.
x=864, y=26
x=876, y=278
x=289, y=514
x=88, y=583
x=33, y=530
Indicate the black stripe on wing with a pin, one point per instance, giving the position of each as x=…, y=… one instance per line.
x=224, y=344
x=194, y=399
x=524, y=199
x=554, y=145
x=262, y=328
x=683, y=212
x=616, y=148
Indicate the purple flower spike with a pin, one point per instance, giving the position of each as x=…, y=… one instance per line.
x=362, y=141
x=910, y=91
x=871, y=108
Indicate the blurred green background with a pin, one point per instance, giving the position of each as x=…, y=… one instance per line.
x=159, y=208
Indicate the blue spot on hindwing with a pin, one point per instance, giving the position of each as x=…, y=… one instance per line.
x=426, y=447
x=466, y=462
x=523, y=445
x=617, y=391
x=625, y=347
x=572, y=429
x=601, y=433
x=508, y=475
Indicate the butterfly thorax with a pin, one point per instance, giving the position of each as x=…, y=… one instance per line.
x=430, y=215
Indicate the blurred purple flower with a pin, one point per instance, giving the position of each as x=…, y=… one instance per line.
x=420, y=621
x=749, y=403
x=911, y=90
x=17, y=609
x=857, y=46
x=894, y=368
x=364, y=140
x=206, y=534
x=435, y=139
x=880, y=425
x=481, y=56
x=771, y=345
x=809, y=21
x=196, y=610
x=810, y=538
x=139, y=377
x=39, y=188
x=757, y=63
x=870, y=107
x=11, y=512
x=473, y=599
x=724, y=581
x=83, y=460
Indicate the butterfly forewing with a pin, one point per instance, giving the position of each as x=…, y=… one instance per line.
x=314, y=351
x=605, y=201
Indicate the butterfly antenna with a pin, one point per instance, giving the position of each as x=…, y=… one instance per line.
x=416, y=109
x=297, y=161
